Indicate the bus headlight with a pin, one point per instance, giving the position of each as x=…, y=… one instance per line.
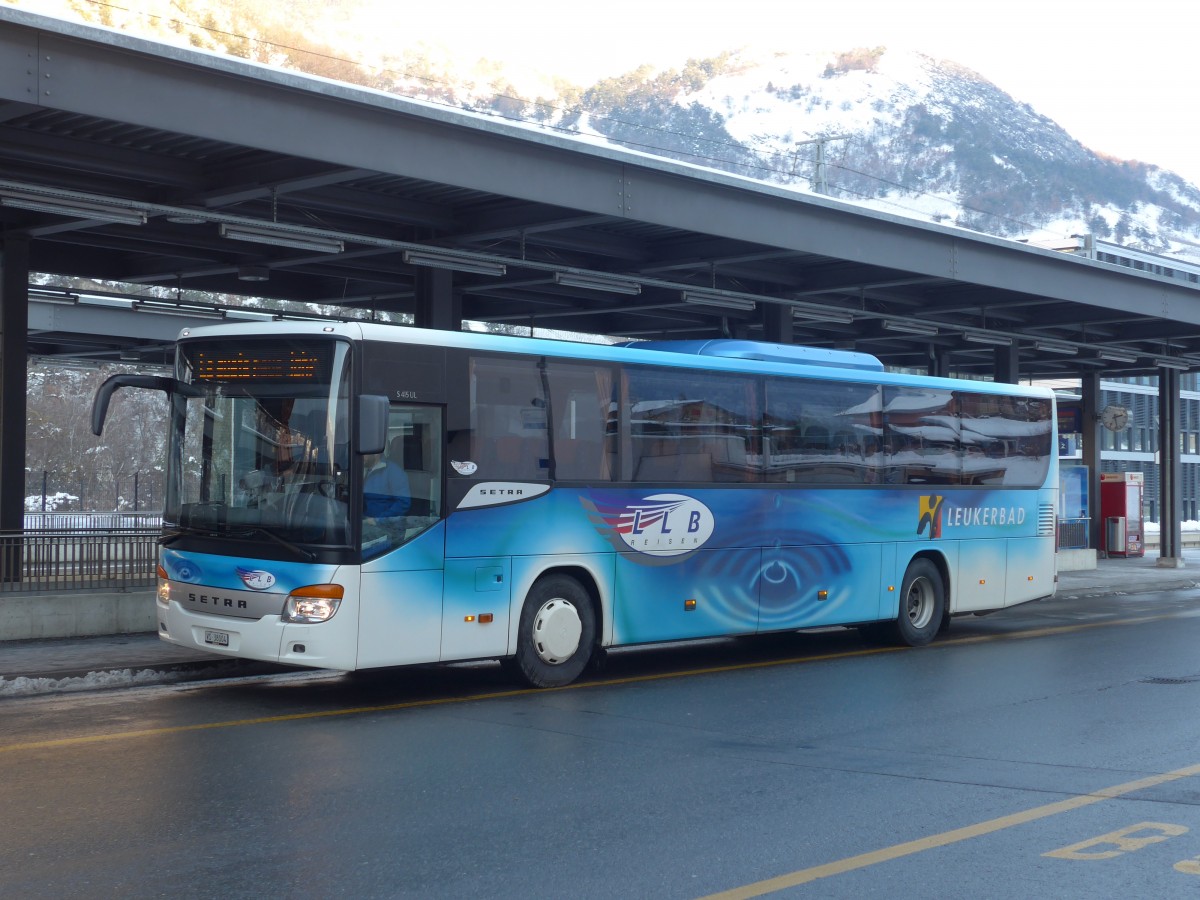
x=163, y=593
x=313, y=604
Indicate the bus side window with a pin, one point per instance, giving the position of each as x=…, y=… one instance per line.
x=702, y=429
x=581, y=397
x=822, y=432
x=1006, y=440
x=509, y=420
x=922, y=430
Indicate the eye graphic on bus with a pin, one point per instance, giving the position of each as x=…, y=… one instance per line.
x=464, y=468
x=180, y=568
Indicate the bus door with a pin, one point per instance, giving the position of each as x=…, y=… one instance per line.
x=403, y=541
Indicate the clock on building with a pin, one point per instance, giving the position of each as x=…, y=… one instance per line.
x=1114, y=418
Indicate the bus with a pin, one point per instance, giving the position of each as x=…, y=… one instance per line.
x=566, y=498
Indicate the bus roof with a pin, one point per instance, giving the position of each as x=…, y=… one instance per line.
x=766, y=352
x=727, y=354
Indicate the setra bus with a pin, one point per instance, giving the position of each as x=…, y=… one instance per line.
x=357, y=495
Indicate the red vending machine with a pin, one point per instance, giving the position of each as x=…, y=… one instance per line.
x=1123, y=531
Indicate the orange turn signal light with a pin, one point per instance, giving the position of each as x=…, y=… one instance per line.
x=324, y=591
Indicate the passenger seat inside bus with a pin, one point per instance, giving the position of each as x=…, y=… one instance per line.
x=576, y=459
x=518, y=459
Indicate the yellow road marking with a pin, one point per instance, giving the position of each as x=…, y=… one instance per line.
x=909, y=848
x=499, y=695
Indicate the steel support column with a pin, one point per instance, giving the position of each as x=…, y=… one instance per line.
x=1170, y=547
x=14, y=330
x=1090, y=452
x=777, y=323
x=1007, y=364
x=438, y=305
x=939, y=362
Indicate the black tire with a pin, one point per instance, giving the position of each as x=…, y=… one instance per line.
x=922, y=604
x=557, y=632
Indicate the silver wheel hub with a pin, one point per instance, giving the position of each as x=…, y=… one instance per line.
x=920, y=603
x=556, y=631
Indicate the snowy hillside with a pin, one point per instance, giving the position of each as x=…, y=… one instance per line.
x=905, y=133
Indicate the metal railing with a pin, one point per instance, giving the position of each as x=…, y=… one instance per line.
x=92, y=521
x=1073, y=534
x=109, y=560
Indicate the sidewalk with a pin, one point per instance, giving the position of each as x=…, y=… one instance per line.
x=42, y=666
x=1132, y=575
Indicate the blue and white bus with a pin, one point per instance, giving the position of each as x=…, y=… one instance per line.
x=564, y=498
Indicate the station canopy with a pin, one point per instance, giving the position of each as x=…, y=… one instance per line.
x=174, y=172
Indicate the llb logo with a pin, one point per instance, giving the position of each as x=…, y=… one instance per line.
x=661, y=525
x=256, y=579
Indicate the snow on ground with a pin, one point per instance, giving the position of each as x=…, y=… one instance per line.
x=22, y=686
x=144, y=678
x=1152, y=527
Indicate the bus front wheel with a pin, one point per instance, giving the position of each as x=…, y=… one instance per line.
x=556, y=633
x=922, y=604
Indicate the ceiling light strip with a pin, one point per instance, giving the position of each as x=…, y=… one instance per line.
x=982, y=337
x=278, y=237
x=833, y=316
x=457, y=262
x=80, y=209
x=717, y=300
x=903, y=326
x=1050, y=347
x=598, y=283
x=1178, y=364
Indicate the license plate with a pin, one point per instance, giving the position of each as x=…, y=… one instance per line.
x=218, y=638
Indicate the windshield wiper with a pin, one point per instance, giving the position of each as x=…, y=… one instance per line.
x=281, y=541
x=178, y=531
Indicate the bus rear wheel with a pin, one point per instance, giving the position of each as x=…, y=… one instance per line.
x=556, y=634
x=922, y=604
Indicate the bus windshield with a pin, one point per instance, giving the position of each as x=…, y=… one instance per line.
x=262, y=450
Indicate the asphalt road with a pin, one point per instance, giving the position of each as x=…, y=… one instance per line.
x=1049, y=751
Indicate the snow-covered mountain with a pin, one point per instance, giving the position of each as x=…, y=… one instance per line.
x=898, y=131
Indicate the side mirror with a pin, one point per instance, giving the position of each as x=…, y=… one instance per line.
x=116, y=382
x=372, y=424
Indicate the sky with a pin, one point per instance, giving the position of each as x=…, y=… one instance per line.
x=1120, y=78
